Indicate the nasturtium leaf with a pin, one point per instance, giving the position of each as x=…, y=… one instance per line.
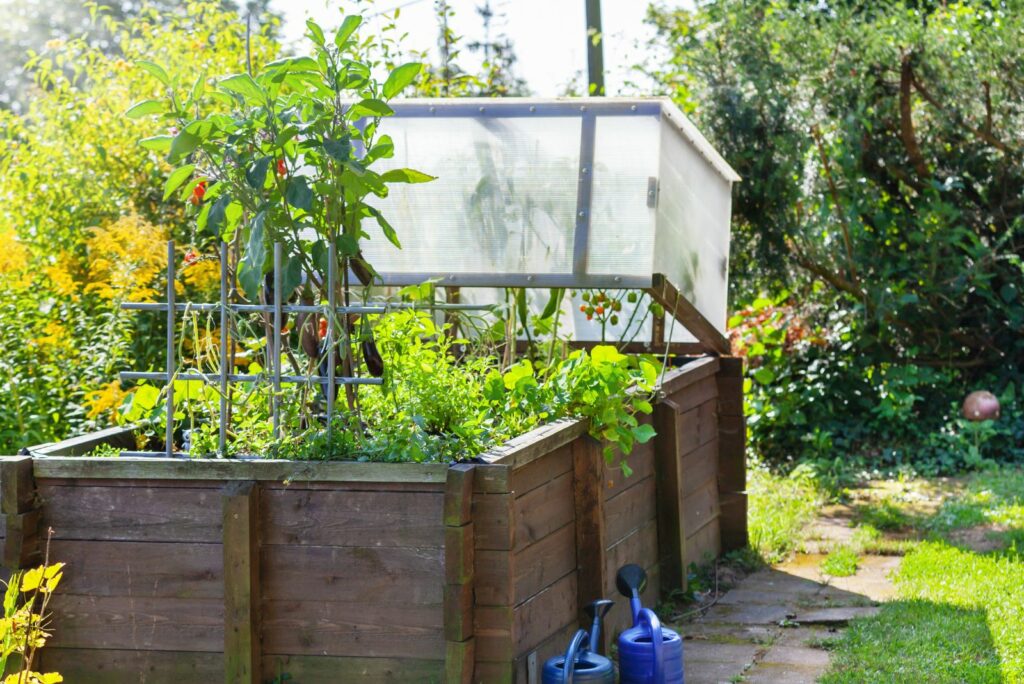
x=177, y=177
x=406, y=176
x=605, y=353
x=154, y=70
x=256, y=174
x=347, y=28
x=242, y=84
x=370, y=107
x=650, y=372
x=643, y=433
x=144, y=108
x=298, y=193
x=183, y=145
x=764, y=375
x=494, y=386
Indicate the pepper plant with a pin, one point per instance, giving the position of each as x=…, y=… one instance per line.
x=285, y=154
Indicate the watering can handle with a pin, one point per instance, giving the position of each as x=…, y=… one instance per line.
x=657, y=643
x=576, y=645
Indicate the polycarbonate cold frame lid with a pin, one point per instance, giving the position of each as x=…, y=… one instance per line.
x=581, y=193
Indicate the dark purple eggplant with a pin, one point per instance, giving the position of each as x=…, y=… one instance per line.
x=372, y=357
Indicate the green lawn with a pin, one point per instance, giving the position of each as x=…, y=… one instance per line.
x=959, y=614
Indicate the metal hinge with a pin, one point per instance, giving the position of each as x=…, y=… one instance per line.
x=652, y=192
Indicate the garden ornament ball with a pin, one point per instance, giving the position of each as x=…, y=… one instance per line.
x=981, y=406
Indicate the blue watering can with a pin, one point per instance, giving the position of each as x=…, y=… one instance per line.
x=648, y=652
x=581, y=663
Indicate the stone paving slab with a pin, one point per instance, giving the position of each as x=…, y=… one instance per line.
x=783, y=674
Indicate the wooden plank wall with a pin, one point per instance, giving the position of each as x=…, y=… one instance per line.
x=353, y=581
x=143, y=596
x=687, y=445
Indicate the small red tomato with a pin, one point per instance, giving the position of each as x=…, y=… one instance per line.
x=282, y=168
x=590, y=317
x=599, y=310
x=191, y=257
x=583, y=308
x=323, y=328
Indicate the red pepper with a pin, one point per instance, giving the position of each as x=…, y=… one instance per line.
x=198, y=193
x=191, y=257
x=282, y=168
x=323, y=328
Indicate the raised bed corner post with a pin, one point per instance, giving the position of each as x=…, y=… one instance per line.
x=22, y=512
x=667, y=469
x=591, y=533
x=242, y=649
x=732, y=450
x=459, y=565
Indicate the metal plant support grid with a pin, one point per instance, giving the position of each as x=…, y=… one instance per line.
x=277, y=309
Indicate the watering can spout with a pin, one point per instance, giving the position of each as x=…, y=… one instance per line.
x=596, y=611
x=631, y=581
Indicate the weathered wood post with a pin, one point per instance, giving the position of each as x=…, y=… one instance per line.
x=732, y=461
x=459, y=574
x=242, y=651
x=20, y=506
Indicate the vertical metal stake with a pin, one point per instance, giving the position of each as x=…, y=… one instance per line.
x=332, y=259
x=170, y=349
x=224, y=327
x=276, y=351
x=584, y=190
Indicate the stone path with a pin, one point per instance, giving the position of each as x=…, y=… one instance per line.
x=768, y=626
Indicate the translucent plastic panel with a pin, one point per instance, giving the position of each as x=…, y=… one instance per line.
x=504, y=200
x=622, y=224
x=694, y=210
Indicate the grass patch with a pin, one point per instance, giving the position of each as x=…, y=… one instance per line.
x=959, y=614
x=884, y=515
x=842, y=562
x=779, y=509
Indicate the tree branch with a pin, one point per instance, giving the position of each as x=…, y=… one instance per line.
x=907, y=120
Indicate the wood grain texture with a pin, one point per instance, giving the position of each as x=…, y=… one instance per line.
x=704, y=544
x=733, y=521
x=226, y=469
x=166, y=514
x=358, y=628
x=458, y=494
x=352, y=518
x=504, y=579
x=361, y=670
x=241, y=583
x=665, y=293
x=542, y=511
x=700, y=507
x=591, y=523
x=630, y=509
x=459, y=657
x=141, y=569
x=540, y=471
x=678, y=379
x=671, y=540
x=103, y=666
x=384, y=575
x=141, y=624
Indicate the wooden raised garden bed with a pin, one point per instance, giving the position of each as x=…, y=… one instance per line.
x=240, y=571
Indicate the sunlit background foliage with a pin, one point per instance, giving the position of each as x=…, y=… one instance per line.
x=876, y=271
